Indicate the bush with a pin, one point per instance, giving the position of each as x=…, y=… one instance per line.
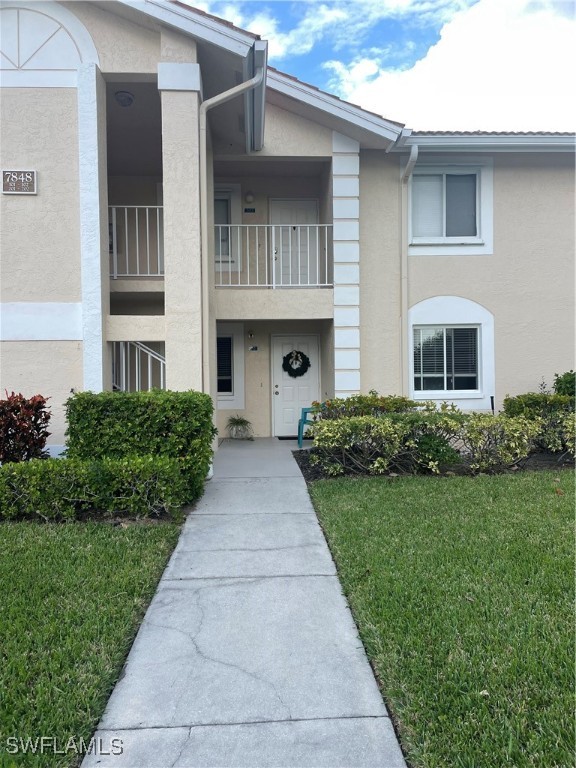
x=421, y=442
x=497, y=442
x=372, y=404
x=23, y=428
x=549, y=411
x=161, y=423
x=565, y=384
x=67, y=489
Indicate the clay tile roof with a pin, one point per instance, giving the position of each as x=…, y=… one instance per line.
x=332, y=96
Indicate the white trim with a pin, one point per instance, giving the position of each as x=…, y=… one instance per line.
x=54, y=76
x=483, y=245
x=178, y=76
x=198, y=25
x=89, y=183
x=536, y=142
x=457, y=311
x=40, y=321
x=235, y=401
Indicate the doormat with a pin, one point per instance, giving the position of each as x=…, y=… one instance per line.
x=289, y=437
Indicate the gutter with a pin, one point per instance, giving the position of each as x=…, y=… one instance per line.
x=407, y=173
x=207, y=105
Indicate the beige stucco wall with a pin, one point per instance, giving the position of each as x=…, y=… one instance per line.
x=133, y=190
x=380, y=272
x=528, y=283
x=258, y=384
x=48, y=368
x=266, y=304
x=39, y=132
x=122, y=45
x=289, y=135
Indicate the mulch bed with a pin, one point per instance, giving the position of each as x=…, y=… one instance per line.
x=534, y=462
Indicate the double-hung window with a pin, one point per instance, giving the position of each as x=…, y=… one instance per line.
x=451, y=209
x=446, y=359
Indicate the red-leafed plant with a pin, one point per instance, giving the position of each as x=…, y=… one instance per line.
x=23, y=428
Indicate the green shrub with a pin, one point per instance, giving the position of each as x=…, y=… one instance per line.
x=23, y=427
x=421, y=442
x=372, y=404
x=496, y=442
x=117, y=424
x=67, y=489
x=407, y=442
x=568, y=433
x=549, y=411
x=565, y=383
x=362, y=444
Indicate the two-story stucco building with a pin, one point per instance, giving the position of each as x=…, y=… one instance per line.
x=177, y=214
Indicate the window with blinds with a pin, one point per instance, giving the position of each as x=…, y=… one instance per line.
x=225, y=365
x=445, y=359
x=444, y=205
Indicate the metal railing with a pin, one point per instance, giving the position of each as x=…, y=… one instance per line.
x=136, y=367
x=136, y=241
x=273, y=255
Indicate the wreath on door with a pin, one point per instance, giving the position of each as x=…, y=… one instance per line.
x=295, y=363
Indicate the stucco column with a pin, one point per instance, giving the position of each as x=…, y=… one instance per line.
x=179, y=86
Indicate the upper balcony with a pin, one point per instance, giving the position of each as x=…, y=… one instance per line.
x=245, y=255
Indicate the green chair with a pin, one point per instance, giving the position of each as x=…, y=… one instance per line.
x=303, y=423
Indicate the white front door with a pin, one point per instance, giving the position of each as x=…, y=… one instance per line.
x=290, y=394
x=295, y=242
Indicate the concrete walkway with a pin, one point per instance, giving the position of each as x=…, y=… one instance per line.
x=248, y=656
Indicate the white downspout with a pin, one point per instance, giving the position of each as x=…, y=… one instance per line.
x=404, y=330
x=205, y=240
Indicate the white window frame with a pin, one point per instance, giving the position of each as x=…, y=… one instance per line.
x=452, y=393
x=482, y=243
x=234, y=400
x=232, y=193
x=457, y=312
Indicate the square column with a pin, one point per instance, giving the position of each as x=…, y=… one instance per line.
x=179, y=85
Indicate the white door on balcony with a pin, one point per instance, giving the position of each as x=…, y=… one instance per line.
x=291, y=394
x=294, y=242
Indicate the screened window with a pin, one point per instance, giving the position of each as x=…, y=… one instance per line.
x=445, y=205
x=225, y=364
x=445, y=359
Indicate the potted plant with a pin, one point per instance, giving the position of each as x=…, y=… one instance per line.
x=239, y=428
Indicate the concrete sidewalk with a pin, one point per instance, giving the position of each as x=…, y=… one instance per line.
x=248, y=656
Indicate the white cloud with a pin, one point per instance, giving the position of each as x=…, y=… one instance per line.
x=500, y=65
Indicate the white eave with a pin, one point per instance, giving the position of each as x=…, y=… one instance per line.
x=195, y=24
x=333, y=107
x=489, y=142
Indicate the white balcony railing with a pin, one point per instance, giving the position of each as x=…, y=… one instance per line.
x=136, y=241
x=136, y=367
x=273, y=255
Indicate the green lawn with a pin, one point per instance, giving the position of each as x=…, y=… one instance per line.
x=71, y=599
x=463, y=591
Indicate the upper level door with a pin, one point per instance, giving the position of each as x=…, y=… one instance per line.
x=295, y=242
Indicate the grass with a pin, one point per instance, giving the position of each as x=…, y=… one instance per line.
x=463, y=592
x=72, y=598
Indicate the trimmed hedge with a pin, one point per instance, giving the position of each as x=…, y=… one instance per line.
x=161, y=423
x=23, y=427
x=67, y=489
x=554, y=413
x=371, y=404
x=417, y=442
x=565, y=383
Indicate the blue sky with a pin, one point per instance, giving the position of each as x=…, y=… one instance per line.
x=432, y=64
